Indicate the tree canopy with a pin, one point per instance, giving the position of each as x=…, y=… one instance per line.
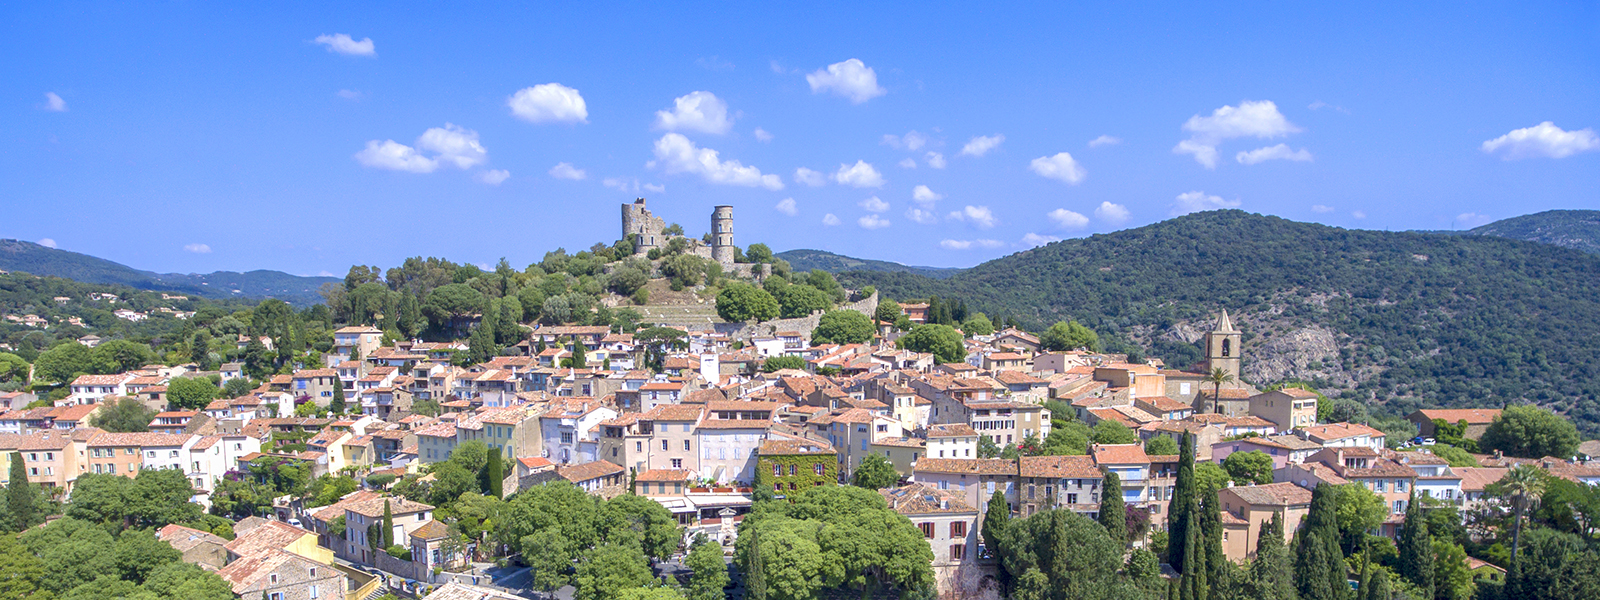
x=942, y=341
x=1530, y=432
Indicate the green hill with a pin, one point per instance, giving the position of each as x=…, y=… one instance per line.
x=806, y=260
x=28, y=257
x=1576, y=229
x=1402, y=318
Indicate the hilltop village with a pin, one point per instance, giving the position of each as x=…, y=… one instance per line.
x=662, y=411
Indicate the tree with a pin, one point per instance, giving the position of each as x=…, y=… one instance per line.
x=1216, y=378
x=23, y=501
x=336, y=406
x=1179, y=508
x=190, y=393
x=1357, y=511
x=1272, y=571
x=758, y=253
x=710, y=574
x=449, y=302
x=494, y=476
x=1249, y=468
x=126, y=415
x=1113, y=512
x=609, y=570
x=1530, y=432
x=20, y=571
x=799, y=300
x=549, y=554
x=1450, y=579
x=1319, y=568
x=63, y=363
x=388, y=525
x=995, y=520
x=1061, y=555
x=1069, y=335
x=117, y=356
x=778, y=363
x=875, y=473
x=842, y=327
x=942, y=341
x=1416, y=549
x=986, y=447
x=740, y=302
x=13, y=368
x=978, y=324
x=1112, y=432
x=1161, y=446
x=580, y=359
x=888, y=311
x=1522, y=484
x=237, y=387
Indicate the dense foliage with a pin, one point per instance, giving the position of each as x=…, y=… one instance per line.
x=832, y=538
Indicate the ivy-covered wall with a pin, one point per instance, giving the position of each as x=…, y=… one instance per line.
x=805, y=475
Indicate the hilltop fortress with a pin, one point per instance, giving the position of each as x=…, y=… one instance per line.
x=649, y=234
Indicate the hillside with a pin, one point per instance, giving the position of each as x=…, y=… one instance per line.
x=1576, y=229
x=28, y=257
x=1408, y=319
x=806, y=260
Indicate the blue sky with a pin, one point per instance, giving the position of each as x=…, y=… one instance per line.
x=193, y=137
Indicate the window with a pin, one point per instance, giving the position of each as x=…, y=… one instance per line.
x=677, y=463
x=777, y=470
x=664, y=446
x=638, y=446
x=274, y=578
x=686, y=445
x=313, y=588
x=817, y=468
x=793, y=469
x=958, y=529
x=777, y=487
x=927, y=529
x=958, y=551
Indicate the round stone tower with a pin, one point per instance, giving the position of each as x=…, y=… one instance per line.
x=722, y=247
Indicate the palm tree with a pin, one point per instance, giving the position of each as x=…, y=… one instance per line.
x=1522, y=483
x=1217, y=377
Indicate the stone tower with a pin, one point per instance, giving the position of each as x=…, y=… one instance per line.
x=637, y=220
x=1222, y=347
x=722, y=248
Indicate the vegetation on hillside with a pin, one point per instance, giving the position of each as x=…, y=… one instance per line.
x=1576, y=229
x=806, y=260
x=28, y=257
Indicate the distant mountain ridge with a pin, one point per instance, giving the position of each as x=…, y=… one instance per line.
x=1576, y=229
x=806, y=260
x=28, y=257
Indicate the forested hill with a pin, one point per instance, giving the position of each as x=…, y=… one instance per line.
x=806, y=260
x=28, y=257
x=1577, y=229
x=1410, y=319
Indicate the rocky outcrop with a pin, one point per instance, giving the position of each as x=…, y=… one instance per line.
x=1304, y=354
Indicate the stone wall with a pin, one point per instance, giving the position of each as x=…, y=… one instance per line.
x=744, y=331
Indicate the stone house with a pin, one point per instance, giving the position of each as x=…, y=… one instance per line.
x=950, y=526
x=791, y=465
x=1258, y=504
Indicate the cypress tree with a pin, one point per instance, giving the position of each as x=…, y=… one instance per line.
x=494, y=475
x=1272, y=573
x=388, y=525
x=1319, y=569
x=1113, y=513
x=1211, y=536
x=579, y=361
x=1416, y=549
x=1194, y=562
x=995, y=522
x=1378, y=587
x=21, y=497
x=755, y=569
x=1178, y=509
x=336, y=406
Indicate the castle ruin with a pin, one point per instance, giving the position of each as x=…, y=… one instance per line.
x=648, y=231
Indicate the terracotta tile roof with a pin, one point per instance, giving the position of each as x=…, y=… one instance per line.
x=971, y=466
x=1298, y=393
x=102, y=379
x=1475, y=479
x=951, y=430
x=923, y=499
x=267, y=536
x=1164, y=404
x=787, y=445
x=1273, y=494
x=183, y=538
x=735, y=424
x=674, y=412
x=1119, y=454
x=432, y=530
x=586, y=471
x=535, y=462
x=665, y=475
x=1293, y=442
x=1058, y=467
x=246, y=571
x=1340, y=431
x=397, y=505
x=1473, y=416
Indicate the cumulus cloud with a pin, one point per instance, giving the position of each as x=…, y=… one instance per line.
x=1319, y=105
x=874, y=204
x=567, y=171
x=1470, y=220
x=1542, y=140
x=982, y=144
x=1321, y=208
x=549, y=103
x=350, y=95
x=455, y=145
x=762, y=135
x=925, y=196
x=967, y=244
x=935, y=160
x=979, y=216
x=656, y=188
x=1034, y=240
x=786, y=206
x=830, y=220
x=851, y=79
x=1104, y=140
x=908, y=163
x=1248, y=119
x=1111, y=213
x=47, y=242
x=395, y=156
x=1196, y=201
x=620, y=183
x=1278, y=152
x=197, y=248
x=343, y=44
x=54, y=103
x=872, y=222
x=809, y=177
x=697, y=111
x=1359, y=214
x=494, y=176
x=1060, y=167
x=912, y=140
x=676, y=154
x=920, y=216
x=1067, y=219
x=861, y=175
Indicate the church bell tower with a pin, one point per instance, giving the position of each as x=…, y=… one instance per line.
x=1223, y=347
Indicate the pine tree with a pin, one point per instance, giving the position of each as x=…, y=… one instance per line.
x=1272, y=572
x=494, y=475
x=388, y=525
x=1182, y=498
x=1113, y=512
x=336, y=406
x=1319, y=569
x=1416, y=549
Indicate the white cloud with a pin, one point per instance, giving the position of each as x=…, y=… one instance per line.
x=455, y=145
x=1060, y=167
x=1034, y=240
x=762, y=135
x=494, y=176
x=676, y=154
x=982, y=144
x=874, y=204
x=1319, y=105
x=1321, y=208
x=967, y=244
x=1470, y=220
x=549, y=103
x=350, y=95
x=912, y=140
x=979, y=216
x=197, y=248
x=620, y=183
x=567, y=171
x=935, y=160
x=925, y=196
x=714, y=63
x=47, y=242
x=1196, y=201
x=697, y=111
x=810, y=177
x=830, y=220
x=1068, y=219
x=872, y=222
x=786, y=206
x=54, y=103
x=395, y=156
x=1359, y=214
x=860, y=175
x=341, y=43
x=656, y=188
x=920, y=216
x=1104, y=140
x=1111, y=213
x=1542, y=140
x=1249, y=119
x=852, y=79
x=908, y=163
x=1278, y=152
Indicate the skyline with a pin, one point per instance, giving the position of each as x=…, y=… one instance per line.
x=253, y=139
